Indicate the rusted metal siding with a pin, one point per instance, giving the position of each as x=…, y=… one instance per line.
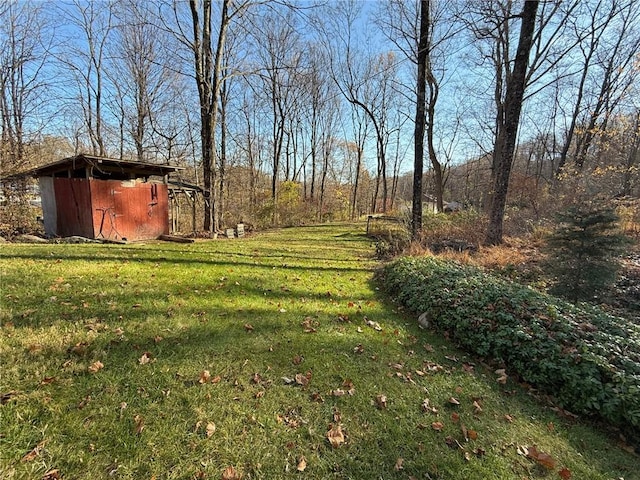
x=129, y=209
x=73, y=207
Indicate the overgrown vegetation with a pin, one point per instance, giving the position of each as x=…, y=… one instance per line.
x=587, y=360
x=263, y=358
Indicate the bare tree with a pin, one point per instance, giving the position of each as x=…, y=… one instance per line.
x=209, y=78
x=616, y=63
x=365, y=81
x=23, y=56
x=508, y=124
x=420, y=31
x=138, y=72
x=600, y=15
x=280, y=59
x=84, y=58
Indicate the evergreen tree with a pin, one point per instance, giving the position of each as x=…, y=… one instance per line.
x=583, y=252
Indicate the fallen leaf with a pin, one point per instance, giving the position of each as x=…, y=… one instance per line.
x=5, y=397
x=52, y=475
x=375, y=325
x=508, y=418
x=335, y=436
x=139, y=424
x=455, y=417
x=565, y=473
x=95, y=366
x=33, y=453
x=337, y=416
x=473, y=435
x=308, y=325
x=145, y=358
x=453, y=443
x=381, y=401
x=426, y=406
x=298, y=359
x=398, y=466
x=479, y=452
x=358, y=348
x=230, y=473
x=454, y=401
x=47, y=380
x=211, y=429
x=302, y=464
x=477, y=409
x=502, y=376
x=348, y=384
x=205, y=376
x=248, y=327
x=437, y=426
x=338, y=392
x=303, y=379
x=542, y=458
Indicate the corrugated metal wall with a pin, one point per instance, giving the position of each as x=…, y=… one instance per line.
x=73, y=207
x=108, y=209
x=129, y=210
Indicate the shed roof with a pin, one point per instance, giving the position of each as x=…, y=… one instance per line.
x=104, y=166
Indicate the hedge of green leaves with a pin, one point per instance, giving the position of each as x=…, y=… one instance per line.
x=587, y=360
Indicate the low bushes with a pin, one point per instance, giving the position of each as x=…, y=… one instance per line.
x=588, y=360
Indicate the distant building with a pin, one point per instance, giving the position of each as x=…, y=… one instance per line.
x=104, y=198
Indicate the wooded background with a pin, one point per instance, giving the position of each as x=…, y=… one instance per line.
x=296, y=112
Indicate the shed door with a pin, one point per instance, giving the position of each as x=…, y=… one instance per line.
x=105, y=223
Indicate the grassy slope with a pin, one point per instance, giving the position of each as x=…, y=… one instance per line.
x=236, y=308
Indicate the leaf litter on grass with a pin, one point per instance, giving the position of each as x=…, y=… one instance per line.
x=324, y=349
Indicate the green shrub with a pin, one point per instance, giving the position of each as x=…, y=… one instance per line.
x=588, y=360
x=583, y=252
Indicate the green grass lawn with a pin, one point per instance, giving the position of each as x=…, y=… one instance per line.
x=235, y=358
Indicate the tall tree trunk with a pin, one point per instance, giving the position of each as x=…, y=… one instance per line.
x=506, y=140
x=208, y=73
x=356, y=184
x=420, y=120
x=222, y=178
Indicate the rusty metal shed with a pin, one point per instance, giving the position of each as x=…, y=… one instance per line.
x=104, y=198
